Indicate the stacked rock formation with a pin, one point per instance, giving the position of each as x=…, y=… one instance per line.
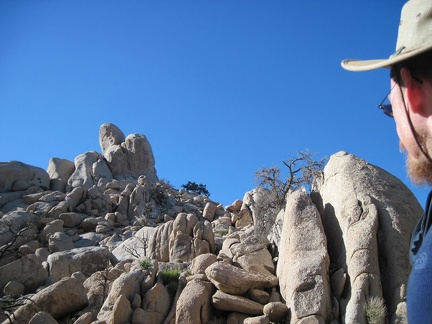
x=102, y=240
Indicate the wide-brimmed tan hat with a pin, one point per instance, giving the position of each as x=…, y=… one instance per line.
x=414, y=37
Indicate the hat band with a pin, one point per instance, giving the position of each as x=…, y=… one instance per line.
x=398, y=51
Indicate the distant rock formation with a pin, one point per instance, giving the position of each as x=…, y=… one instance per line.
x=127, y=157
x=121, y=159
x=102, y=240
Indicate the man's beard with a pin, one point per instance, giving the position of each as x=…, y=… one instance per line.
x=419, y=168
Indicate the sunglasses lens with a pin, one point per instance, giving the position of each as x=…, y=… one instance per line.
x=387, y=109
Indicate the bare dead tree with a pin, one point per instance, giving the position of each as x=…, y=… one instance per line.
x=18, y=234
x=106, y=281
x=301, y=171
x=135, y=251
x=9, y=304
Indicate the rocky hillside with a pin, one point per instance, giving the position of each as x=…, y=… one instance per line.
x=103, y=240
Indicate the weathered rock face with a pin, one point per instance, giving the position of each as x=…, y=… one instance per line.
x=17, y=176
x=127, y=157
x=303, y=266
x=90, y=167
x=194, y=304
x=59, y=171
x=109, y=243
x=86, y=260
x=110, y=135
x=235, y=303
x=69, y=297
x=257, y=202
x=139, y=243
x=368, y=216
x=128, y=285
x=237, y=281
x=27, y=270
x=17, y=222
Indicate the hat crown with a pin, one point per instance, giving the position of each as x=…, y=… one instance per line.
x=414, y=38
x=415, y=28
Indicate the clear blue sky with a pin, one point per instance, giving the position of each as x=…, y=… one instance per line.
x=220, y=88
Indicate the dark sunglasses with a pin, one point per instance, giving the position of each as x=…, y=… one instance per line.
x=386, y=107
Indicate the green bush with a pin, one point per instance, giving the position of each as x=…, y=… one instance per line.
x=375, y=311
x=170, y=279
x=171, y=275
x=221, y=232
x=145, y=264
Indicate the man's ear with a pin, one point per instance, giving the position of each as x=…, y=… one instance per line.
x=414, y=92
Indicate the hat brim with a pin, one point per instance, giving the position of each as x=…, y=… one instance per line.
x=367, y=65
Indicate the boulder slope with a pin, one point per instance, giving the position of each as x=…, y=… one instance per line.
x=102, y=240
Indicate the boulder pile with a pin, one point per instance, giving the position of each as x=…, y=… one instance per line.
x=103, y=240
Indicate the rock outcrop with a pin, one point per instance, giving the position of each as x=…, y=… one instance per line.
x=127, y=157
x=17, y=176
x=303, y=267
x=369, y=216
x=102, y=240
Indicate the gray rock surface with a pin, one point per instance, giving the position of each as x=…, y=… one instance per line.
x=194, y=304
x=27, y=270
x=59, y=171
x=90, y=167
x=369, y=216
x=69, y=296
x=86, y=260
x=128, y=157
x=236, y=281
x=16, y=176
x=303, y=267
x=109, y=135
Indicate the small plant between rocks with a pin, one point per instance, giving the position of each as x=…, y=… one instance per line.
x=145, y=264
x=170, y=278
x=375, y=311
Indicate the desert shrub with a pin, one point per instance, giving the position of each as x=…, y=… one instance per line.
x=170, y=278
x=145, y=264
x=375, y=311
x=196, y=188
x=161, y=193
x=221, y=232
x=170, y=275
